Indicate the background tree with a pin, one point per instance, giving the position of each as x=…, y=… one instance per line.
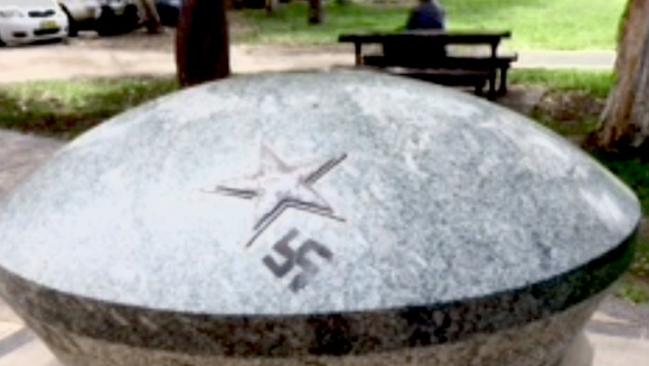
x=625, y=121
x=202, y=44
x=271, y=6
x=315, y=12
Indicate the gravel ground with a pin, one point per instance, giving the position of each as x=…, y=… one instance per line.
x=139, y=53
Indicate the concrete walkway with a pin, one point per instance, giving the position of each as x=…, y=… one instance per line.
x=138, y=54
x=19, y=155
x=589, y=60
x=618, y=334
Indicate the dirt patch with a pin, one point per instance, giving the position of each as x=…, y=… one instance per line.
x=570, y=106
x=572, y=114
x=137, y=40
x=523, y=98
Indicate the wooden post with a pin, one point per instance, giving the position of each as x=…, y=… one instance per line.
x=358, y=52
x=202, y=44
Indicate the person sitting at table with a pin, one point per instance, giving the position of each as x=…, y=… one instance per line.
x=429, y=14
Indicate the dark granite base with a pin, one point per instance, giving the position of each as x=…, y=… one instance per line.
x=540, y=343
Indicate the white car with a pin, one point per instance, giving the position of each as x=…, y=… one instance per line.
x=82, y=14
x=25, y=21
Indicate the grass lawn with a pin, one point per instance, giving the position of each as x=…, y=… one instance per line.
x=574, y=100
x=65, y=109
x=596, y=84
x=536, y=24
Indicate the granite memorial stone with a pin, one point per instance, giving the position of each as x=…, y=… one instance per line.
x=343, y=218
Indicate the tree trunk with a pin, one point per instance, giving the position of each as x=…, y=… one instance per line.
x=202, y=44
x=625, y=121
x=315, y=11
x=271, y=6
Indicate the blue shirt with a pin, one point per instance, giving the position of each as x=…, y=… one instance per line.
x=426, y=16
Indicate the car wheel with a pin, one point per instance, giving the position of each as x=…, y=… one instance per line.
x=2, y=44
x=73, y=27
x=131, y=19
x=106, y=24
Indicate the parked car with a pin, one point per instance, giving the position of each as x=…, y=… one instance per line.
x=118, y=16
x=82, y=14
x=169, y=11
x=25, y=21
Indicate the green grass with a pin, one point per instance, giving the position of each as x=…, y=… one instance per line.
x=568, y=129
x=289, y=25
x=573, y=101
x=640, y=266
x=536, y=24
x=596, y=84
x=66, y=108
x=633, y=290
x=634, y=172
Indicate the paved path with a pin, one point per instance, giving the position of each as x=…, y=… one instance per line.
x=593, y=60
x=19, y=155
x=61, y=62
x=139, y=54
x=618, y=333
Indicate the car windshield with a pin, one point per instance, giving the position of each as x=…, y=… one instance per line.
x=26, y=3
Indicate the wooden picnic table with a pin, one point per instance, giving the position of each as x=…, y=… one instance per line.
x=439, y=66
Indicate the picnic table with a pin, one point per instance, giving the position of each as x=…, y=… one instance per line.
x=423, y=54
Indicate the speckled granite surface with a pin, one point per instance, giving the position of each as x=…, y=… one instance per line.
x=334, y=214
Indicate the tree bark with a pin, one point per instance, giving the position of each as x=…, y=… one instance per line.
x=315, y=12
x=625, y=121
x=202, y=44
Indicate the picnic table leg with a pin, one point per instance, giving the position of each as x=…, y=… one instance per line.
x=494, y=49
x=358, y=53
x=478, y=88
x=493, y=73
x=502, y=90
x=491, y=94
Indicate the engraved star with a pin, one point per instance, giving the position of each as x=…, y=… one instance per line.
x=278, y=186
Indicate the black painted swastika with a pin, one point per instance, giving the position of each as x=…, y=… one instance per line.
x=299, y=257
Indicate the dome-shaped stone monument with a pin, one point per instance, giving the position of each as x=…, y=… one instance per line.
x=342, y=218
